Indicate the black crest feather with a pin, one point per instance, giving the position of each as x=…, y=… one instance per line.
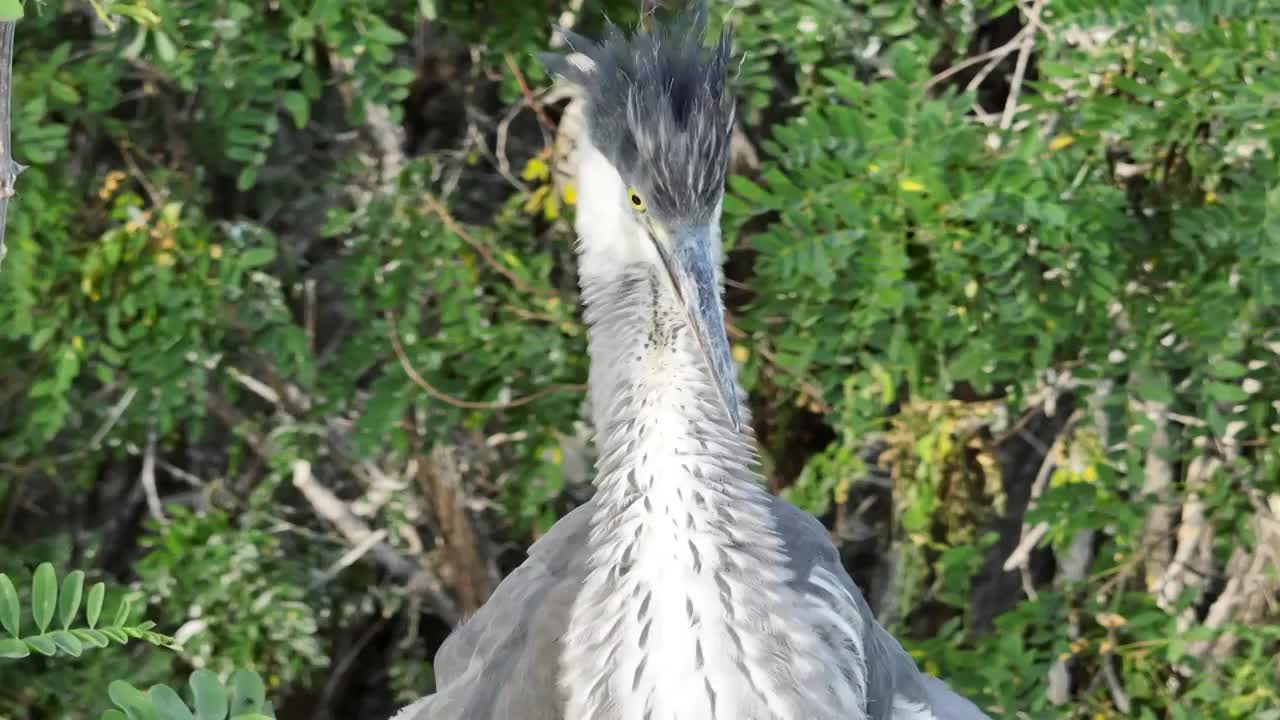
x=659, y=107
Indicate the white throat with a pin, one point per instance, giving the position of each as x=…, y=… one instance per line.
x=688, y=588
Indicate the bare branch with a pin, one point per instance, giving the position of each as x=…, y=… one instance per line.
x=472, y=572
x=9, y=170
x=148, y=478
x=1156, y=486
x=1192, y=531
x=1020, y=68
x=448, y=399
x=1031, y=535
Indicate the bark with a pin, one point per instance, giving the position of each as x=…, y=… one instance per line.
x=1157, y=487
x=467, y=559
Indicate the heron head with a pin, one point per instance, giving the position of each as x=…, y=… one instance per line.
x=651, y=174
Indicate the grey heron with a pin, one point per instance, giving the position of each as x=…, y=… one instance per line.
x=682, y=589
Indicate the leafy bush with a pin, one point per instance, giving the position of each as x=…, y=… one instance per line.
x=243, y=698
x=65, y=636
x=289, y=337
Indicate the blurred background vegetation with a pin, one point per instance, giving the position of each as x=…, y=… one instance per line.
x=291, y=357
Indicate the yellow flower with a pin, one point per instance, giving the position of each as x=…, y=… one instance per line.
x=741, y=354
x=842, y=491
x=215, y=251
x=1060, y=142
x=909, y=185
x=536, y=169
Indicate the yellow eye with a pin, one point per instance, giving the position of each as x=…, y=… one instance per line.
x=637, y=202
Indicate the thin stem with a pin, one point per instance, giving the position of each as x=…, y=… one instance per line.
x=448, y=399
x=9, y=170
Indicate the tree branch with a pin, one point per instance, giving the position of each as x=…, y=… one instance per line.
x=9, y=170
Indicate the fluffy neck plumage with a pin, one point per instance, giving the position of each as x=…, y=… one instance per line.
x=681, y=534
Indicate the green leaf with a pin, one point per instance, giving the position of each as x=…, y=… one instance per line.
x=401, y=76
x=1227, y=370
x=116, y=634
x=13, y=648
x=385, y=34
x=247, y=692
x=10, y=611
x=113, y=714
x=131, y=700
x=68, y=642
x=69, y=598
x=95, y=638
x=903, y=24
x=42, y=644
x=10, y=10
x=44, y=595
x=168, y=704
x=246, y=179
x=123, y=612
x=210, y=696
x=255, y=257
x=164, y=47
x=93, y=608
x=298, y=106
x=1223, y=392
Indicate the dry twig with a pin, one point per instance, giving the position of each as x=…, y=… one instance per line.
x=457, y=402
x=1020, y=68
x=436, y=208
x=528, y=94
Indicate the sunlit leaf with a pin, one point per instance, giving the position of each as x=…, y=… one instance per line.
x=44, y=596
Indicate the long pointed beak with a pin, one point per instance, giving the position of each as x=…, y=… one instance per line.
x=692, y=270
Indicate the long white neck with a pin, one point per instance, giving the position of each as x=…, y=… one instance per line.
x=686, y=609
x=681, y=529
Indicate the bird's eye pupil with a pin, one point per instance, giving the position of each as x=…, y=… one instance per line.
x=635, y=199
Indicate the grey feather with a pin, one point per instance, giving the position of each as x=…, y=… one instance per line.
x=569, y=628
x=891, y=671
x=660, y=108
x=501, y=663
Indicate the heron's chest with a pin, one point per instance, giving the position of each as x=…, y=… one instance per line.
x=688, y=613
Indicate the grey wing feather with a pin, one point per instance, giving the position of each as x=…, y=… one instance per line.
x=897, y=690
x=502, y=662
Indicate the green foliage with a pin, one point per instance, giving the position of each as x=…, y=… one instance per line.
x=54, y=610
x=11, y=10
x=205, y=569
x=242, y=698
x=213, y=273
x=1126, y=234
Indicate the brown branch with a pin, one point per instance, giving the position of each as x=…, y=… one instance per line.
x=448, y=399
x=528, y=94
x=472, y=572
x=437, y=209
